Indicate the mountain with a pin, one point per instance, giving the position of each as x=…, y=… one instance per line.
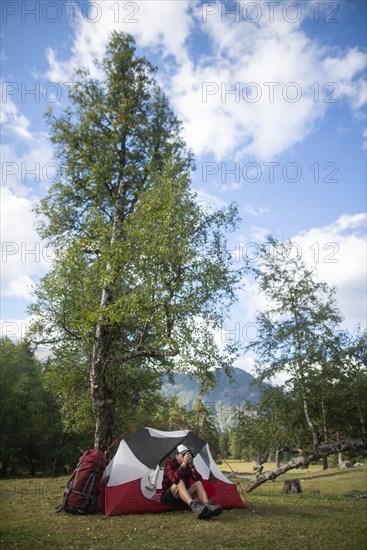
x=226, y=400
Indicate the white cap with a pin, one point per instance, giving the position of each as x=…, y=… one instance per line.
x=182, y=449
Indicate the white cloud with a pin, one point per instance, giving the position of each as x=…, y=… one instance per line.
x=15, y=329
x=246, y=363
x=27, y=167
x=283, y=64
x=277, y=56
x=337, y=252
x=208, y=201
x=251, y=302
x=166, y=23
x=258, y=212
x=34, y=168
x=24, y=256
x=161, y=24
x=342, y=71
x=26, y=156
x=11, y=119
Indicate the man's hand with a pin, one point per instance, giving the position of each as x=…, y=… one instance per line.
x=187, y=459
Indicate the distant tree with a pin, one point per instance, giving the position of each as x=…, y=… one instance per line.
x=272, y=427
x=355, y=371
x=346, y=406
x=141, y=273
x=30, y=424
x=178, y=414
x=223, y=444
x=202, y=422
x=296, y=332
x=238, y=445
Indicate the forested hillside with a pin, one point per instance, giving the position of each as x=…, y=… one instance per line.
x=226, y=400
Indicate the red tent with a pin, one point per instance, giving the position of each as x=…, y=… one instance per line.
x=132, y=480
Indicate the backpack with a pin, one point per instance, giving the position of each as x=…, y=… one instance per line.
x=82, y=491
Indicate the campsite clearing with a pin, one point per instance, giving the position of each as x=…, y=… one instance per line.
x=330, y=518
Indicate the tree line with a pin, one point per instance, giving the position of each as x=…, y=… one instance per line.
x=43, y=432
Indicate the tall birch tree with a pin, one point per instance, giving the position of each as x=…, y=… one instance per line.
x=141, y=274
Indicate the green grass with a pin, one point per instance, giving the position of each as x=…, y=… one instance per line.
x=312, y=520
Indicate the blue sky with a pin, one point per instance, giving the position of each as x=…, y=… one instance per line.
x=272, y=97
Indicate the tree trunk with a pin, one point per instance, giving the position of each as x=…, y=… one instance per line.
x=325, y=464
x=277, y=455
x=277, y=458
x=32, y=467
x=101, y=396
x=57, y=466
x=307, y=458
x=341, y=458
x=363, y=423
x=102, y=400
x=311, y=425
x=4, y=465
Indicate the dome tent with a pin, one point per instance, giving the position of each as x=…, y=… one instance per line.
x=132, y=480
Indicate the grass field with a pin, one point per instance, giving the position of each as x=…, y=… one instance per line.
x=324, y=516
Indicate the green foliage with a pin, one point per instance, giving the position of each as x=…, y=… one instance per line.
x=30, y=426
x=136, y=388
x=177, y=414
x=66, y=378
x=138, y=399
x=275, y=422
x=298, y=328
x=202, y=424
x=223, y=444
x=349, y=387
x=36, y=434
x=200, y=419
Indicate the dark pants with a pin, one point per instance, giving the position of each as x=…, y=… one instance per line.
x=169, y=498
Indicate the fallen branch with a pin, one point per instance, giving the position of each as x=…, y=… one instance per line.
x=306, y=458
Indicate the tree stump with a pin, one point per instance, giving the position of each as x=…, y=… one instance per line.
x=292, y=486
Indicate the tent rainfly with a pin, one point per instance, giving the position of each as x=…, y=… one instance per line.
x=133, y=479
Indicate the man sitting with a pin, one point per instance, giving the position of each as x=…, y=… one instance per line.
x=182, y=483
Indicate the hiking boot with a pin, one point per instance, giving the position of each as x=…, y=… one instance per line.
x=200, y=510
x=213, y=510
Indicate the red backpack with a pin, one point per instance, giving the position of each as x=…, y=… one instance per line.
x=82, y=490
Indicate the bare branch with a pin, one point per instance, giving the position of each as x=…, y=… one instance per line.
x=151, y=353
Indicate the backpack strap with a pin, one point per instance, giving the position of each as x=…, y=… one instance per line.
x=67, y=491
x=88, y=488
